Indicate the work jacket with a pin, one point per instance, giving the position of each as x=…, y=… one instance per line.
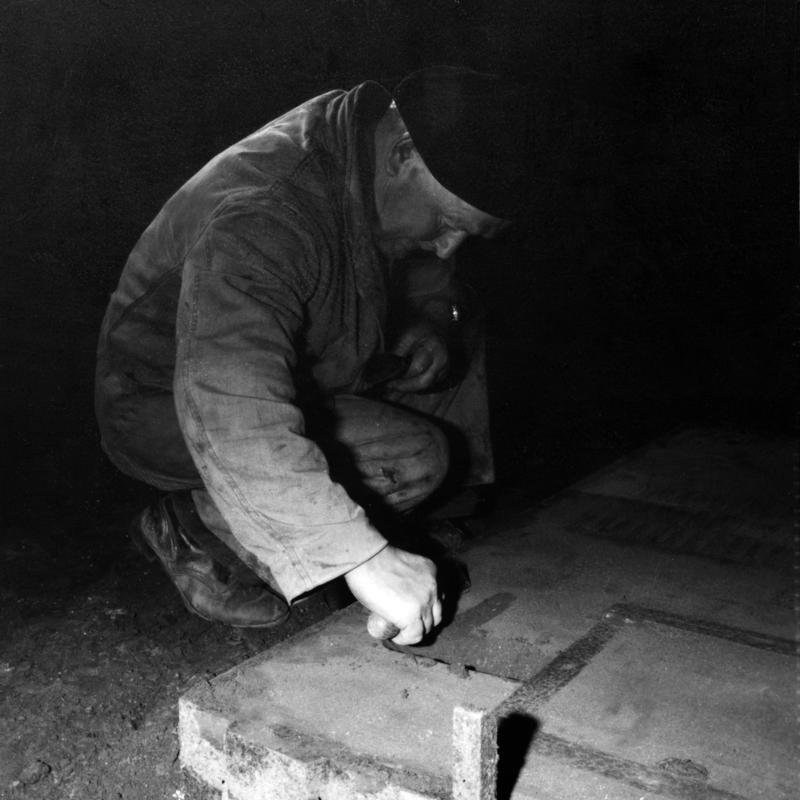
x=259, y=281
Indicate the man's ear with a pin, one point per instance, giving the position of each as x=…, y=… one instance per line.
x=401, y=156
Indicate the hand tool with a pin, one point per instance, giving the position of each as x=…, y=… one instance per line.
x=380, y=628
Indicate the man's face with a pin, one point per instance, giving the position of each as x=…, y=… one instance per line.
x=415, y=212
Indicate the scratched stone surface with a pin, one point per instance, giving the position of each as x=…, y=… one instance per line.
x=657, y=695
x=649, y=711
x=340, y=691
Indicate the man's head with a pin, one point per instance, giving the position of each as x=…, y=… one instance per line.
x=442, y=165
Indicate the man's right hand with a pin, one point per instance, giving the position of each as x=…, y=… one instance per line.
x=400, y=587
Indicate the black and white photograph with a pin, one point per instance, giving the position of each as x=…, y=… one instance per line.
x=401, y=400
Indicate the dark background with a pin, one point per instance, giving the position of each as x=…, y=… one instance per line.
x=654, y=286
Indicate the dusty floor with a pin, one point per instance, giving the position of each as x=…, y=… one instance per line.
x=96, y=647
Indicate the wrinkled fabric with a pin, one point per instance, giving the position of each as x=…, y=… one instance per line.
x=389, y=460
x=256, y=290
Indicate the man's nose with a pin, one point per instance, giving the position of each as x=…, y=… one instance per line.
x=446, y=244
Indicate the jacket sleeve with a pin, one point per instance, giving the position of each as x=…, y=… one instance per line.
x=240, y=314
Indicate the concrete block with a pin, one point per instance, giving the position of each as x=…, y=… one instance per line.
x=614, y=666
x=201, y=733
x=474, y=754
x=332, y=714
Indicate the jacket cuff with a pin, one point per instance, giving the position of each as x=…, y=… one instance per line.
x=326, y=554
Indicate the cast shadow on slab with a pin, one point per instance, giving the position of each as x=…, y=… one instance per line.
x=515, y=735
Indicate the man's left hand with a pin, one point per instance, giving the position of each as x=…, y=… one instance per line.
x=429, y=362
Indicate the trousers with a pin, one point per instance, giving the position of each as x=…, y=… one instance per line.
x=390, y=452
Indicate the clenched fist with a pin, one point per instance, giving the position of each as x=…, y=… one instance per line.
x=400, y=587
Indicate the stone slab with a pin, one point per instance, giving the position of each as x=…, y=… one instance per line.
x=666, y=705
x=733, y=473
x=609, y=712
x=719, y=712
x=330, y=701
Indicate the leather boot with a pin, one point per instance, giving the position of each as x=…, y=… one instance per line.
x=207, y=589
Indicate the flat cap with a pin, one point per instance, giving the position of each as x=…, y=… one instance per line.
x=473, y=132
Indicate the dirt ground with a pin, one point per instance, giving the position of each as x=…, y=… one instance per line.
x=96, y=648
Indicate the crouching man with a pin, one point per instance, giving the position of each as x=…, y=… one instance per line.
x=287, y=347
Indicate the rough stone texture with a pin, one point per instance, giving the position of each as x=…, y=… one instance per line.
x=474, y=754
x=656, y=695
x=638, y=660
x=196, y=789
x=332, y=712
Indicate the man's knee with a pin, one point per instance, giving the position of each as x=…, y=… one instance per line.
x=399, y=455
x=405, y=473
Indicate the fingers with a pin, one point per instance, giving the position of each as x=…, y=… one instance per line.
x=429, y=360
x=437, y=613
x=419, y=383
x=411, y=634
x=407, y=342
x=427, y=619
x=431, y=618
x=401, y=588
x=420, y=376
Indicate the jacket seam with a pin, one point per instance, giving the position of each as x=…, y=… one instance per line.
x=168, y=272
x=233, y=485
x=247, y=198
